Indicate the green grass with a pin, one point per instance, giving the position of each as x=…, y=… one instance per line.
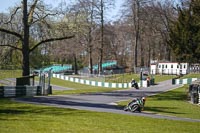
x=160, y=78
x=77, y=88
x=127, y=77
x=26, y=118
x=172, y=103
x=114, y=78
x=81, y=88
x=122, y=78
x=10, y=74
x=191, y=76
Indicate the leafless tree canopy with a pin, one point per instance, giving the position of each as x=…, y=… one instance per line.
x=81, y=34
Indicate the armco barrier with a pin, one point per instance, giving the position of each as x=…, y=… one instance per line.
x=93, y=83
x=183, y=81
x=18, y=91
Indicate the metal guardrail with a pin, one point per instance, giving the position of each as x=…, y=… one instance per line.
x=19, y=91
x=183, y=81
x=142, y=83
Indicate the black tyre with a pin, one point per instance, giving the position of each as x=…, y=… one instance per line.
x=139, y=109
x=137, y=87
x=126, y=108
x=134, y=108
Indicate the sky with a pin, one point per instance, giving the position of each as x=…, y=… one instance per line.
x=10, y=3
x=4, y=6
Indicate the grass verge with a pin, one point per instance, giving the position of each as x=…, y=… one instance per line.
x=27, y=118
x=77, y=88
x=172, y=103
x=160, y=78
x=10, y=74
x=81, y=88
x=191, y=76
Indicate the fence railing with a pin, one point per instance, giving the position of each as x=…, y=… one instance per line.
x=183, y=81
x=18, y=91
x=93, y=83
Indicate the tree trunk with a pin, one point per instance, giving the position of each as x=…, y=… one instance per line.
x=90, y=40
x=90, y=60
x=135, y=53
x=100, y=61
x=149, y=55
x=25, y=43
x=102, y=39
x=75, y=65
x=137, y=34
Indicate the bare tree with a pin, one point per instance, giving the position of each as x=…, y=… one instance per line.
x=133, y=14
x=86, y=15
x=101, y=7
x=31, y=16
x=93, y=20
x=149, y=21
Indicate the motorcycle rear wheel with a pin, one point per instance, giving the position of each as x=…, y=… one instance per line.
x=126, y=108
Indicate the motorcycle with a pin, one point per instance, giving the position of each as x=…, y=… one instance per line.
x=137, y=104
x=134, y=84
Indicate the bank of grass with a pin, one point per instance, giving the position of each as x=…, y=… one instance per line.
x=125, y=78
x=122, y=78
x=81, y=88
x=160, y=78
x=28, y=118
x=76, y=88
x=191, y=76
x=10, y=74
x=172, y=103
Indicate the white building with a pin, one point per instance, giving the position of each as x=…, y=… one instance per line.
x=169, y=68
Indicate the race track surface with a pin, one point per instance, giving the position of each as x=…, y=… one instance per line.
x=106, y=101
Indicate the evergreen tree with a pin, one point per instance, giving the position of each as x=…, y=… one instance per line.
x=185, y=33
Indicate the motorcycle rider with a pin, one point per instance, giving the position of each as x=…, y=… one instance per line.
x=134, y=84
x=136, y=102
x=143, y=100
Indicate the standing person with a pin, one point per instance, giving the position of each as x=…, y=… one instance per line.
x=148, y=81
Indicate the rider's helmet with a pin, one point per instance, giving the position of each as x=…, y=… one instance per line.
x=143, y=99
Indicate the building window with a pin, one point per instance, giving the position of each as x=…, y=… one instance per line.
x=184, y=66
x=177, y=66
x=171, y=66
x=162, y=66
x=159, y=66
x=165, y=66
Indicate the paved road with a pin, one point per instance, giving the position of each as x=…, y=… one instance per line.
x=105, y=102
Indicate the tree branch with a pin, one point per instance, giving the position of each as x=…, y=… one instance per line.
x=12, y=33
x=31, y=11
x=12, y=15
x=11, y=47
x=51, y=40
x=43, y=18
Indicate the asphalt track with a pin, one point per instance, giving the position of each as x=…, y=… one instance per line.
x=106, y=102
